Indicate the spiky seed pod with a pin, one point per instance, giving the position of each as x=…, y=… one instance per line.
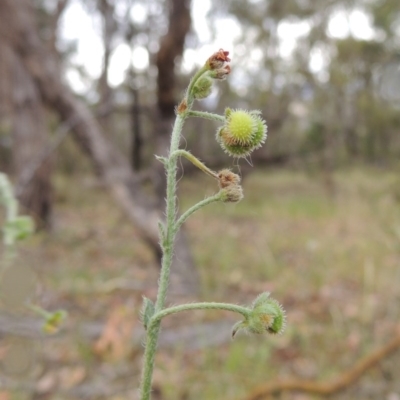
x=260, y=134
x=234, y=150
x=266, y=315
x=240, y=127
x=242, y=133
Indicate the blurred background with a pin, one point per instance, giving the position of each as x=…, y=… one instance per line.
x=87, y=96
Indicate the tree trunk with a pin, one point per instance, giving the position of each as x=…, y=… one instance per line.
x=29, y=135
x=5, y=111
x=171, y=47
x=17, y=25
x=106, y=99
x=136, y=123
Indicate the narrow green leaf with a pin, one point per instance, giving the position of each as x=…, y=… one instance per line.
x=162, y=160
x=147, y=312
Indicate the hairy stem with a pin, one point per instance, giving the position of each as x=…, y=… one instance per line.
x=170, y=213
x=206, y=115
x=39, y=310
x=191, y=210
x=199, y=306
x=189, y=92
x=167, y=247
x=196, y=162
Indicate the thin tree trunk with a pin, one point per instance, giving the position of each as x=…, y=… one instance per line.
x=5, y=111
x=137, y=140
x=106, y=98
x=29, y=135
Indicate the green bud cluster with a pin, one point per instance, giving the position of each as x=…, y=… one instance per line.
x=215, y=68
x=203, y=87
x=243, y=132
x=266, y=316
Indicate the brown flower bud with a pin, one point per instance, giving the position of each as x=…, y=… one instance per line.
x=229, y=183
x=227, y=178
x=218, y=59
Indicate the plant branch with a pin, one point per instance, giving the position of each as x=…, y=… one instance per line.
x=191, y=210
x=167, y=247
x=199, y=306
x=189, y=92
x=331, y=386
x=195, y=161
x=171, y=167
x=206, y=115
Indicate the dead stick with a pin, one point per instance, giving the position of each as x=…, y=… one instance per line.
x=332, y=386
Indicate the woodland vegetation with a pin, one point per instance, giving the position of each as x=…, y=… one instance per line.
x=320, y=227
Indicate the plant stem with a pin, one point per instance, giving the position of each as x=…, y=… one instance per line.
x=170, y=212
x=171, y=229
x=39, y=310
x=191, y=210
x=167, y=247
x=207, y=115
x=196, y=162
x=199, y=306
x=189, y=92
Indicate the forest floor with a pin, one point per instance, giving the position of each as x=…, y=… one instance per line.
x=328, y=250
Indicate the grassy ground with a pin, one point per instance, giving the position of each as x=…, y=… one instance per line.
x=330, y=255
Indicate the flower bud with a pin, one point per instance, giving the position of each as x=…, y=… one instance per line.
x=218, y=59
x=203, y=87
x=221, y=73
x=229, y=183
x=266, y=315
x=227, y=178
x=232, y=194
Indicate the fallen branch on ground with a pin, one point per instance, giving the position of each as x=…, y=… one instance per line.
x=332, y=386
